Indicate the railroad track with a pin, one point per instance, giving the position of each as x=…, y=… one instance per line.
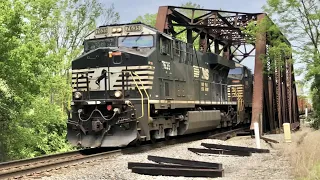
x=27, y=167
x=31, y=167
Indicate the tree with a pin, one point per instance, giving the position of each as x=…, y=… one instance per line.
x=71, y=22
x=300, y=20
x=149, y=19
x=23, y=64
x=39, y=40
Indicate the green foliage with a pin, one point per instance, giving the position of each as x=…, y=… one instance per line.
x=39, y=40
x=278, y=48
x=300, y=20
x=149, y=19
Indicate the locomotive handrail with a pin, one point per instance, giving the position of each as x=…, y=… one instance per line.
x=142, y=110
x=148, y=98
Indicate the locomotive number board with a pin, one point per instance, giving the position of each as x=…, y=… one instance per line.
x=103, y=30
x=133, y=28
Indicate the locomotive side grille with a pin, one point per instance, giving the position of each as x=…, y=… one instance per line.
x=145, y=73
x=80, y=79
x=196, y=71
x=234, y=91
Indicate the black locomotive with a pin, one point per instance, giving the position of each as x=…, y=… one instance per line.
x=240, y=89
x=133, y=83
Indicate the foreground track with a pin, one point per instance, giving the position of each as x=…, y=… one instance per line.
x=20, y=168
x=33, y=168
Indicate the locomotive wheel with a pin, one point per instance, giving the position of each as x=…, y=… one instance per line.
x=137, y=143
x=166, y=136
x=153, y=140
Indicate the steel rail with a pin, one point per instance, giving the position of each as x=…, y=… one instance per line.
x=31, y=160
x=20, y=168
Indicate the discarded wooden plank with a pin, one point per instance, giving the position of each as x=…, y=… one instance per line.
x=235, y=148
x=219, y=151
x=136, y=164
x=184, y=162
x=201, y=172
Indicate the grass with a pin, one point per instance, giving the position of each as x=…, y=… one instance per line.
x=304, y=153
x=315, y=172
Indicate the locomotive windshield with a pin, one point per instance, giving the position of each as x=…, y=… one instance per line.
x=236, y=71
x=135, y=41
x=94, y=44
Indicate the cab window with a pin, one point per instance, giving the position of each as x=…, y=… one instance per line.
x=165, y=45
x=236, y=71
x=135, y=41
x=97, y=43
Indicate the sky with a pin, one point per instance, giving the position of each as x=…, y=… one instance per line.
x=131, y=9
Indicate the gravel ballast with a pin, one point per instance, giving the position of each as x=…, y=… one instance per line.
x=271, y=165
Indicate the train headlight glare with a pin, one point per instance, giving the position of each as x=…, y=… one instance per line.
x=117, y=94
x=77, y=95
x=119, y=30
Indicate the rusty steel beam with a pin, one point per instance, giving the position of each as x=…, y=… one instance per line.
x=267, y=139
x=289, y=90
x=284, y=103
x=215, y=19
x=162, y=19
x=164, y=171
x=272, y=105
x=136, y=164
x=284, y=91
x=211, y=10
x=257, y=100
x=266, y=107
x=221, y=152
x=279, y=96
x=184, y=162
x=295, y=126
x=235, y=148
x=204, y=26
x=295, y=100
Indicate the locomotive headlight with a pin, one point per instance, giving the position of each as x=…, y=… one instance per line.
x=117, y=94
x=114, y=30
x=119, y=30
x=77, y=95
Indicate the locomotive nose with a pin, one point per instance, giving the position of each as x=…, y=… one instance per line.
x=111, y=57
x=102, y=57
